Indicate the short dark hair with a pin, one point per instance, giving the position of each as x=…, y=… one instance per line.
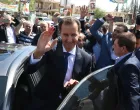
x=70, y=21
x=128, y=40
x=125, y=28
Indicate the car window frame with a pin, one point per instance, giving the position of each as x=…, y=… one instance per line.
x=68, y=97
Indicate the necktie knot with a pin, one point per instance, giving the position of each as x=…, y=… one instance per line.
x=66, y=54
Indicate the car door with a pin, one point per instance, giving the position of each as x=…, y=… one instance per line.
x=87, y=94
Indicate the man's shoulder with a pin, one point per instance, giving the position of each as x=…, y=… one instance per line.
x=137, y=53
x=132, y=62
x=85, y=54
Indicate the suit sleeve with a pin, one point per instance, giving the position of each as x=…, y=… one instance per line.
x=82, y=21
x=31, y=68
x=130, y=87
x=95, y=29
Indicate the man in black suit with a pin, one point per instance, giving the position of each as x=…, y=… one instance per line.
x=124, y=77
x=66, y=64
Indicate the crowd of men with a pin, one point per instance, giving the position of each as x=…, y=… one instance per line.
x=71, y=49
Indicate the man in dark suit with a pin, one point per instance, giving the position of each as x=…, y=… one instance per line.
x=124, y=77
x=107, y=56
x=66, y=65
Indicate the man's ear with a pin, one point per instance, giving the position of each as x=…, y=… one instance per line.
x=124, y=49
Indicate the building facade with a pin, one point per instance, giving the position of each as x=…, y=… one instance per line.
x=47, y=6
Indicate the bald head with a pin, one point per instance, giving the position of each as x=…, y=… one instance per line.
x=28, y=26
x=43, y=26
x=8, y=19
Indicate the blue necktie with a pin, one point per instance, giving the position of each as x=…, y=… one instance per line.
x=66, y=55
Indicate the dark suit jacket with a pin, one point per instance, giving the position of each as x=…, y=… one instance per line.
x=124, y=85
x=51, y=85
x=35, y=39
x=106, y=44
x=3, y=34
x=137, y=53
x=56, y=33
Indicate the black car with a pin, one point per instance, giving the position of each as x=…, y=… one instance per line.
x=16, y=85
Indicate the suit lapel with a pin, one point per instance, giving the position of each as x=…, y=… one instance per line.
x=59, y=60
x=78, y=63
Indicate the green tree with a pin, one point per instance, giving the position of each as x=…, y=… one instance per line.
x=98, y=13
x=32, y=5
x=6, y=1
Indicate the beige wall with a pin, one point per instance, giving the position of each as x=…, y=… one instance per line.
x=47, y=6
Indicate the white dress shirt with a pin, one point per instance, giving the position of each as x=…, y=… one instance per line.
x=71, y=59
x=10, y=34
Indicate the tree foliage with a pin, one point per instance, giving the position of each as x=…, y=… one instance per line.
x=6, y=1
x=32, y=5
x=98, y=13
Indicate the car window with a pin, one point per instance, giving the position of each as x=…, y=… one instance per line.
x=87, y=91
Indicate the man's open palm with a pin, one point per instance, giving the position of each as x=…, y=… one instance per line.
x=44, y=43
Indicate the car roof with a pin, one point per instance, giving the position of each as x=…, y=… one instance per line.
x=12, y=56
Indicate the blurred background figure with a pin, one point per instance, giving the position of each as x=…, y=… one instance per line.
x=43, y=27
x=7, y=31
x=26, y=36
x=81, y=41
x=36, y=28
x=56, y=20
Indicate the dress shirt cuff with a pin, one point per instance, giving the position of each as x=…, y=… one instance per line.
x=34, y=61
x=102, y=20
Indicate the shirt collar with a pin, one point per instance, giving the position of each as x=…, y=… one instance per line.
x=73, y=51
x=118, y=59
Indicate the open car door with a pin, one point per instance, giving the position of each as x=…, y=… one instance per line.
x=87, y=95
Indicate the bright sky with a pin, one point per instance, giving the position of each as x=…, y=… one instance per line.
x=103, y=4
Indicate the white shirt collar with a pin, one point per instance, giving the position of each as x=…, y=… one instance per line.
x=73, y=51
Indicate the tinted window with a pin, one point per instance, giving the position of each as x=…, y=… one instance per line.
x=87, y=93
